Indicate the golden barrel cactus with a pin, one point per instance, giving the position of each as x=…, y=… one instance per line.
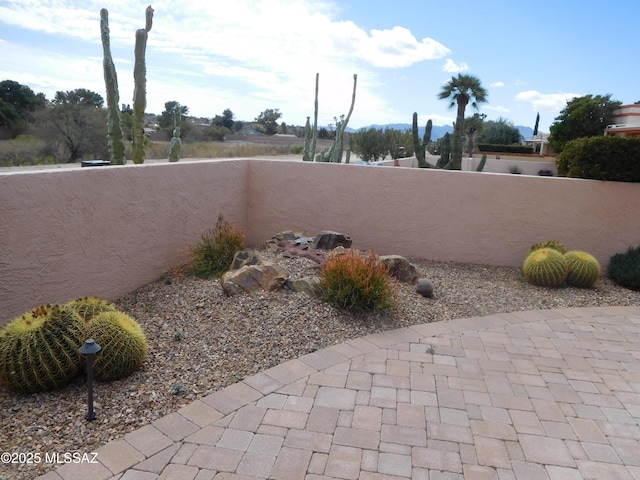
x=89, y=307
x=545, y=267
x=124, y=345
x=584, y=269
x=39, y=350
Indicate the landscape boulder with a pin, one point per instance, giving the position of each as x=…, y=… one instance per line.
x=308, y=285
x=424, y=287
x=400, y=268
x=262, y=276
x=243, y=258
x=328, y=240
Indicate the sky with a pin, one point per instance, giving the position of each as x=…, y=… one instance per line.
x=253, y=55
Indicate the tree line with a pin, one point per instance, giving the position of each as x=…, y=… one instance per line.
x=73, y=125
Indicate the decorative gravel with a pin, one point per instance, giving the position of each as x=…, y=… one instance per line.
x=200, y=341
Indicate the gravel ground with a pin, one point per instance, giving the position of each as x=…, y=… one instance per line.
x=200, y=340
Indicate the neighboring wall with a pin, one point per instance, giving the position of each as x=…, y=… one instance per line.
x=108, y=230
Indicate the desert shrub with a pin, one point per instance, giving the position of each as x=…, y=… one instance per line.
x=624, y=268
x=357, y=282
x=297, y=149
x=369, y=144
x=611, y=158
x=213, y=255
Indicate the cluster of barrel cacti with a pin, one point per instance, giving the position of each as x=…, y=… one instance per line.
x=550, y=264
x=39, y=350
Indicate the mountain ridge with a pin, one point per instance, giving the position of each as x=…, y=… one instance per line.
x=437, y=131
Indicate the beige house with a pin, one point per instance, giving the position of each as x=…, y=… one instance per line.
x=626, y=121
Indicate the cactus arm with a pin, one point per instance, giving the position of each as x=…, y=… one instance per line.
x=336, y=153
x=417, y=147
x=176, y=143
x=306, y=152
x=482, y=163
x=140, y=87
x=114, y=127
x=315, y=120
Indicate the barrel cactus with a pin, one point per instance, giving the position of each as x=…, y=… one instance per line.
x=124, y=345
x=555, y=244
x=545, y=267
x=89, y=307
x=584, y=269
x=39, y=350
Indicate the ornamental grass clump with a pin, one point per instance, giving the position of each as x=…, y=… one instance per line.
x=357, y=282
x=213, y=255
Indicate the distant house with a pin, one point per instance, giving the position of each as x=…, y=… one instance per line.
x=540, y=144
x=626, y=120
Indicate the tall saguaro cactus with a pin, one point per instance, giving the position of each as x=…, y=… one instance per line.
x=335, y=151
x=140, y=87
x=114, y=125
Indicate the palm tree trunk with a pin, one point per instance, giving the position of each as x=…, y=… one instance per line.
x=456, y=148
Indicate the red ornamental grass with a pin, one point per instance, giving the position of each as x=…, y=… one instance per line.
x=357, y=282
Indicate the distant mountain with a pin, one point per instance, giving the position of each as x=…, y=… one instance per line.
x=437, y=131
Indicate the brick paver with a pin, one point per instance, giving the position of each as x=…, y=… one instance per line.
x=545, y=394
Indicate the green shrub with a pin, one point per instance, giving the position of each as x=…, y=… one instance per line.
x=555, y=244
x=611, y=158
x=624, y=268
x=213, y=255
x=369, y=144
x=297, y=150
x=357, y=282
x=584, y=269
x=545, y=267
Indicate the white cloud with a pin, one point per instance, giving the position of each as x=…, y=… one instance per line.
x=496, y=108
x=497, y=84
x=546, y=102
x=453, y=67
x=436, y=119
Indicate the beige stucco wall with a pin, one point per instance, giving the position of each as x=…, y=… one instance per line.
x=106, y=231
x=444, y=215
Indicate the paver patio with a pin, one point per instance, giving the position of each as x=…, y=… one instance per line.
x=544, y=395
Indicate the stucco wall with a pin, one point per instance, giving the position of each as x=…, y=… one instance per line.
x=443, y=215
x=105, y=231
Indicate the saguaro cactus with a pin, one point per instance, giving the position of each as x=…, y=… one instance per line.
x=335, y=151
x=140, y=87
x=420, y=149
x=114, y=126
x=176, y=143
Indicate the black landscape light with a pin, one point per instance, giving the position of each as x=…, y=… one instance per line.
x=90, y=348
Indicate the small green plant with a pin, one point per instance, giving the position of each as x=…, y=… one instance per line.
x=624, y=268
x=584, y=269
x=214, y=254
x=357, y=282
x=555, y=244
x=297, y=149
x=545, y=267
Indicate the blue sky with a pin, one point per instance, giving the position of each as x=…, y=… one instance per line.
x=250, y=55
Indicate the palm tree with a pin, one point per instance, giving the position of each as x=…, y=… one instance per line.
x=461, y=91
